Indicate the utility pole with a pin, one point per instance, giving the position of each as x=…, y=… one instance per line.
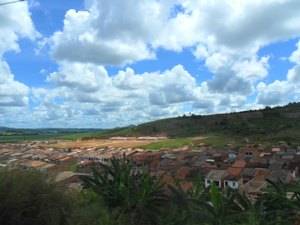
x=6, y=3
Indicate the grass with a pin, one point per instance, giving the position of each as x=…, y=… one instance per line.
x=73, y=167
x=9, y=133
x=219, y=140
x=171, y=143
x=75, y=136
x=45, y=136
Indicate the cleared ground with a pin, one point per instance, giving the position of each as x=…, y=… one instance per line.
x=144, y=144
x=100, y=143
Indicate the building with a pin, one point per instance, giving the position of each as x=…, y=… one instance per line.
x=217, y=177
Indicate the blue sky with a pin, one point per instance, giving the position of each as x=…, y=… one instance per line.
x=113, y=63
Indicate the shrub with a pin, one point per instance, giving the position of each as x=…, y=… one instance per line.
x=29, y=197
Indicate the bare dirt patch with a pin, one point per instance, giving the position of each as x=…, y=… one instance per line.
x=100, y=143
x=199, y=138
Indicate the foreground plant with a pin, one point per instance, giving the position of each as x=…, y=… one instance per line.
x=133, y=193
x=30, y=198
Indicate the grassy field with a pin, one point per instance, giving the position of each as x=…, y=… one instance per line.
x=171, y=143
x=216, y=140
x=44, y=136
x=219, y=140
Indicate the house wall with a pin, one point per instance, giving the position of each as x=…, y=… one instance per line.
x=295, y=172
x=234, y=184
x=208, y=182
x=231, y=184
x=251, y=154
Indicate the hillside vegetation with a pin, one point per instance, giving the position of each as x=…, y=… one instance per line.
x=265, y=125
x=272, y=124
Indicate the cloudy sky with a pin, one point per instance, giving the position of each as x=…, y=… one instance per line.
x=99, y=63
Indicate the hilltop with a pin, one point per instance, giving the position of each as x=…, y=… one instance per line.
x=278, y=123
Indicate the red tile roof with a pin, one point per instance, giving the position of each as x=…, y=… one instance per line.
x=239, y=164
x=235, y=171
x=260, y=174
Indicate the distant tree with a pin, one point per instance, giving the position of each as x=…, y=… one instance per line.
x=154, y=130
x=194, y=117
x=224, y=122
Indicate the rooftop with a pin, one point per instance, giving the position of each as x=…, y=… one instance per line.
x=216, y=174
x=239, y=164
x=235, y=171
x=261, y=174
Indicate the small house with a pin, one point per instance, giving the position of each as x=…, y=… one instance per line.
x=217, y=177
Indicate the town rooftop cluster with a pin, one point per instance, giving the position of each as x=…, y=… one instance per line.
x=246, y=169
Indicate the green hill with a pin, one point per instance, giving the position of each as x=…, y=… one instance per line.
x=278, y=123
x=266, y=125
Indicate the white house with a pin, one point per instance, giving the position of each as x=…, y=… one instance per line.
x=233, y=182
x=215, y=176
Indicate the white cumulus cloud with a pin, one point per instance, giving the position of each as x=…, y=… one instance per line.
x=15, y=23
x=282, y=92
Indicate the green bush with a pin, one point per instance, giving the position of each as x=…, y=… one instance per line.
x=91, y=210
x=29, y=198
